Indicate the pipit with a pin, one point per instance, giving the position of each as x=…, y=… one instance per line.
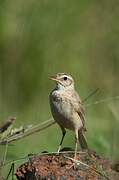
x=67, y=109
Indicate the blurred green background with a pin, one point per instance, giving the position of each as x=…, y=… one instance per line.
x=41, y=38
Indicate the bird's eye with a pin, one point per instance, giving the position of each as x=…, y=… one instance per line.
x=65, y=78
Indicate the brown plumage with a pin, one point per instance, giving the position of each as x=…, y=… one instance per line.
x=67, y=108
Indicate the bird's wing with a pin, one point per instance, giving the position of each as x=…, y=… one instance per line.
x=79, y=108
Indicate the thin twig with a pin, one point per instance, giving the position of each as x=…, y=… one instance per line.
x=11, y=171
x=103, y=101
x=91, y=94
x=5, y=153
x=28, y=132
x=41, y=154
x=80, y=162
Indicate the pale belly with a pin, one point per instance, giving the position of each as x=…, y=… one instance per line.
x=65, y=115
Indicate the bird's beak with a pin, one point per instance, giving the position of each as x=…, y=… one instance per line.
x=53, y=78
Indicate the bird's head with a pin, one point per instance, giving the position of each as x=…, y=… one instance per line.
x=63, y=81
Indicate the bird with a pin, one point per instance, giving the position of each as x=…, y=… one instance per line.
x=67, y=109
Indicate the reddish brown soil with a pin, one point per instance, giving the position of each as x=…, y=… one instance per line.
x=59, y=167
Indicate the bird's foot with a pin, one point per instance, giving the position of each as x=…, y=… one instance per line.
x=72, y=163
x=58, y=151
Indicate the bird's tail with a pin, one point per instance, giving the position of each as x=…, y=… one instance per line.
x=82, y=140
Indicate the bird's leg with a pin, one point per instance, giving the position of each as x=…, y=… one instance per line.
x=75, y=153
x=63, y=134
x=76, y=144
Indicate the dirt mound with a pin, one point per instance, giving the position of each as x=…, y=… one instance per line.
x=89, y=166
